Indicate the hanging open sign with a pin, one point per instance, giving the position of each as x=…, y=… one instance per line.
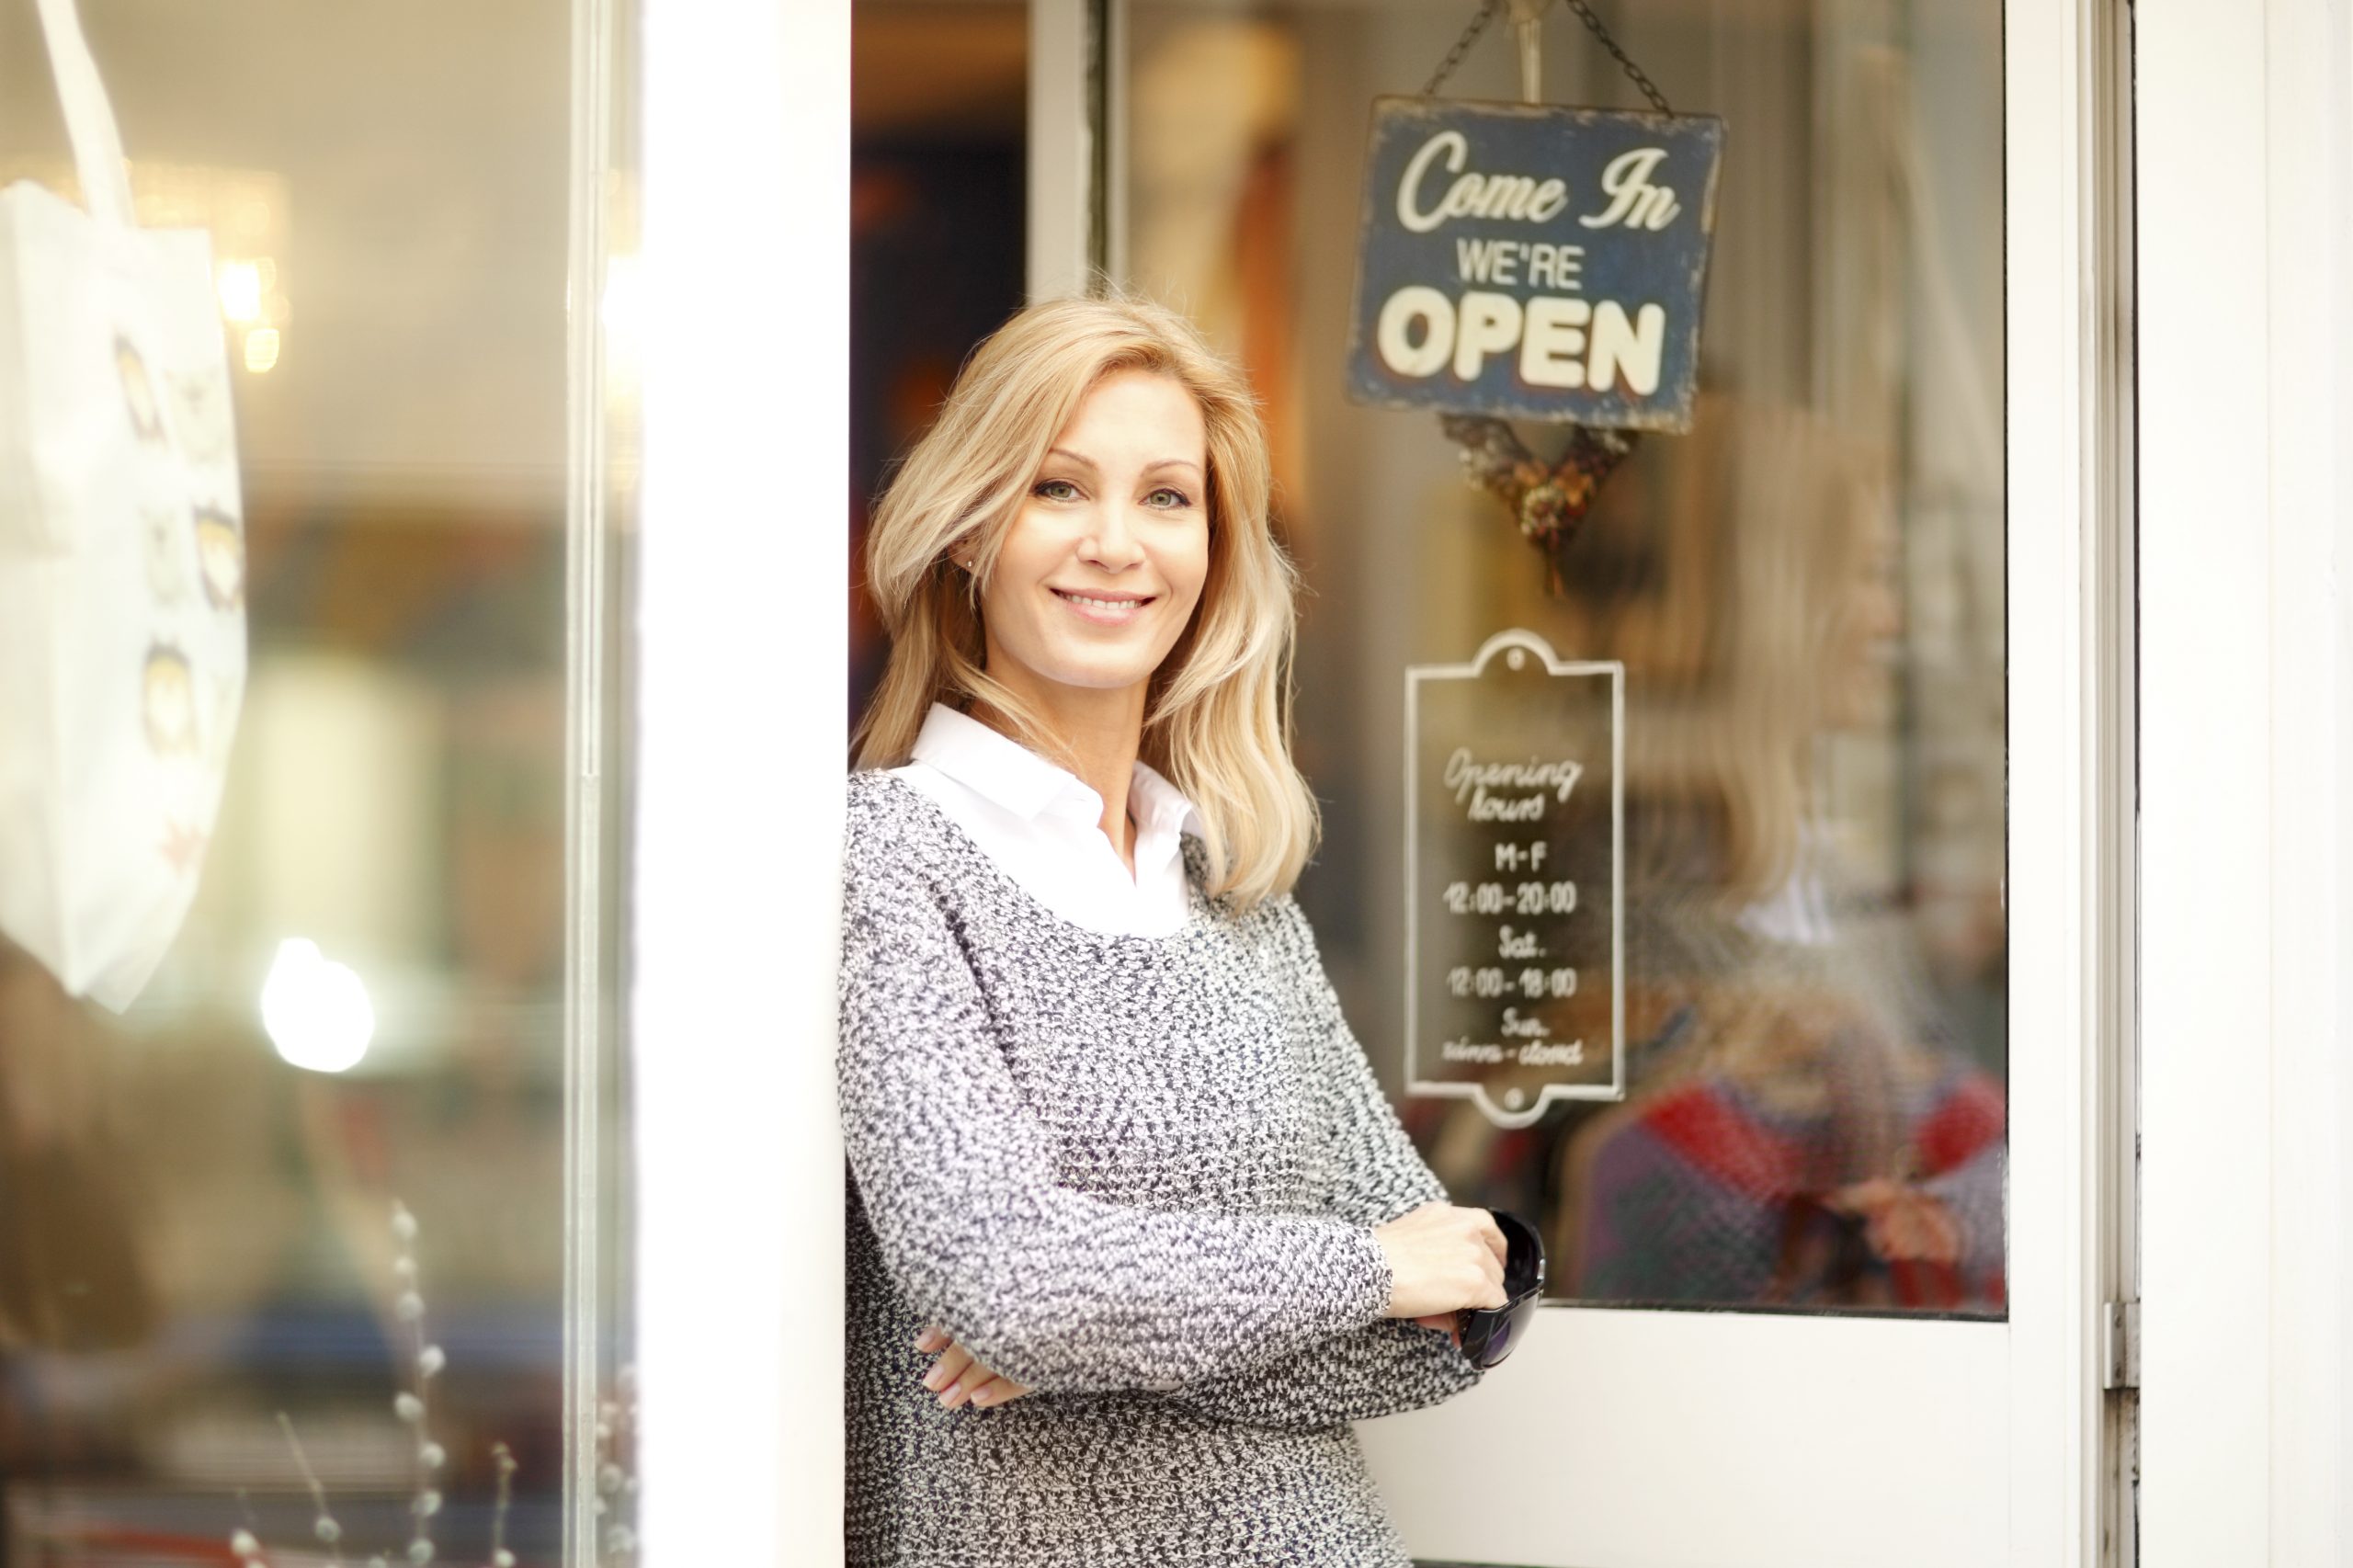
x=1534, y=263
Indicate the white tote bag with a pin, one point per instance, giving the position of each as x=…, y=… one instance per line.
x=122, y=562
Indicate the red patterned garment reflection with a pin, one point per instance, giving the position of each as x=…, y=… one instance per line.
x=1725, y=1191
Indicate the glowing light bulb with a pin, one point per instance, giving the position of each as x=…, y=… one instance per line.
x=315, y=1010
x=240, y=285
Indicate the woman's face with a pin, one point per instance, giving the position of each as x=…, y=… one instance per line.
x=1099, y=573
x=1868, y=627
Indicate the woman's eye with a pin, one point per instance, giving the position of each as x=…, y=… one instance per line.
x=1173, y=500
x=1055, y=490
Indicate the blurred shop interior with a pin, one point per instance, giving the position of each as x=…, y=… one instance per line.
x=1806, y=591
x=296, y=1219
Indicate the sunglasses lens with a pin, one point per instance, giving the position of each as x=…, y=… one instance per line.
x=1499, y=1343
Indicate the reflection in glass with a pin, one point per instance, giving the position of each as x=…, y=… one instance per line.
x=1805, y=592
x=290, y=1235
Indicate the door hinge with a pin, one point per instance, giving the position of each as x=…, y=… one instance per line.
x=2120, y=1346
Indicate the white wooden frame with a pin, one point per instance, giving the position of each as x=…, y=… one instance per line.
x=1060, y=164
x=743, y=651
x=1070, y=41
x=2011, y=1472
x=2246, y=192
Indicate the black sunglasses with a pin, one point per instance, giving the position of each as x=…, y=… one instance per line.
x=1489, y=1332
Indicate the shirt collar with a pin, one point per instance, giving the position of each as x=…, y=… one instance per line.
x=1008, y=774
x=1156, y=804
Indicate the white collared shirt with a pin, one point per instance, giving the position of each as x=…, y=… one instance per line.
x=1043, y=827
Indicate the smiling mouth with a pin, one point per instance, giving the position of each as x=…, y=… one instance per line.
x=1102, y=606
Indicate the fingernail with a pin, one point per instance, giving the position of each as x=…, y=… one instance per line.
x=985, y=1397
x=934, y=1378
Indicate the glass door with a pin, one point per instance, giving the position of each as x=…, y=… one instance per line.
x=1808, y=1173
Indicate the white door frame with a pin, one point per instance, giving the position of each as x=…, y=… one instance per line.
x=2246, y=192
x=742, y=656
x=1078, y=222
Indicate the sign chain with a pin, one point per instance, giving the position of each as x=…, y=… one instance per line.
x=1462, y=47
x=1593, y=25
x=1585, y=14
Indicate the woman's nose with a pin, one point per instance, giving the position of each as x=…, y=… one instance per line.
x=1113, y=544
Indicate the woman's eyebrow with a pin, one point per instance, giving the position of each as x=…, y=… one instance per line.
x=1080, y=460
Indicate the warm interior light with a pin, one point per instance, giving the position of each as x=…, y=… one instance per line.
x=315, y=1010
x=622, y=305
x=261, y=348
x=241, y=289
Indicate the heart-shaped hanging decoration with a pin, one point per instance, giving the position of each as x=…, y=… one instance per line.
x=1549, y=499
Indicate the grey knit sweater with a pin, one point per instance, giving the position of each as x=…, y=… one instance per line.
x=1140, y=1175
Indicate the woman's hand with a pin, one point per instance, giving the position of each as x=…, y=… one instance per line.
x=1901, y=1223
x=1442, y=1259
x=1447, y=1323
x=957, y=1379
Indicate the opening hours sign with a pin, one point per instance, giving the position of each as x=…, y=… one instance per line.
x=1515, y=833
x=1534, y=263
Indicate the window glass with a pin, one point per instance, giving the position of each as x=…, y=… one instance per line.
x=285, y=1242
x=1804, y=592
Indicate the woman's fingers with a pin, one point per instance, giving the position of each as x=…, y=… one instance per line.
x=958, y=1379
x=947, y=1370
x=980, y=1387
x=1491, y=1255
x=1441, y=1257
x=965, y=1386
x=999, y=1392
x=1492, y=1235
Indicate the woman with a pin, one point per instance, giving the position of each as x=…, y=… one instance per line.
x=1116, y=1162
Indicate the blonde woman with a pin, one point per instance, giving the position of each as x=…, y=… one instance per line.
x=1132, y=1232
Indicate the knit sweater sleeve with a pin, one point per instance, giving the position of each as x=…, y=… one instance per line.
x=1050, y=1287
x=1370, y=1174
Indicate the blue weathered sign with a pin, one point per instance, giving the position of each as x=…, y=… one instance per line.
x=1534, y=263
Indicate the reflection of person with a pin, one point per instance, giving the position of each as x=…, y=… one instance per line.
x=1117, y=1160
x=1799, y=1134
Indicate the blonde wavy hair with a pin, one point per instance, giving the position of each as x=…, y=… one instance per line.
x=1217, y=712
